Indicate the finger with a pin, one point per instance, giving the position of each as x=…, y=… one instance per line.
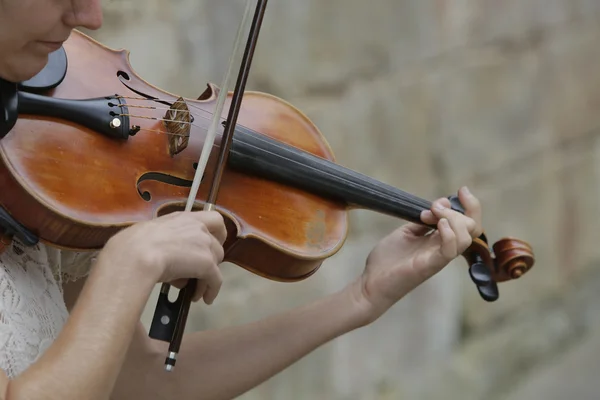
x=442, y=201
x=448, y=248
x=217, y=250
x=472, y=209
x=179, y=283
x=428, y=217
x=214, y=280
x=200, y=290
x=171, y=215
x=200, y=287
x=460, y=226
x=416, y=229
x=215, y=223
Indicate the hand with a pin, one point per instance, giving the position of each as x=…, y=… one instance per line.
x=174, y=248
x=413, y=253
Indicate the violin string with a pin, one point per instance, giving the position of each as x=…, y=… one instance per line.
x=203, y=128
x=157, y=131
x=410, y=201
x=208, y=115
x=401, y=197
x=405, y=198
x=156, y=119
x=150, y=107
x=158, y=99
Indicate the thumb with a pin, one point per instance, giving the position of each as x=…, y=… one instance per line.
x=200, y=289
x=179, y=283
x=416, y=229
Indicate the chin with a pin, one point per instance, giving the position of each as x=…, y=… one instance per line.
x=22, y=69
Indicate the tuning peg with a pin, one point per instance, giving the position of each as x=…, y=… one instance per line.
x=480, y=274
x=483, y=279
x=508, y=259
x=489, y=292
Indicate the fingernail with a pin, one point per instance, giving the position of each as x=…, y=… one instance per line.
x=440, y=207
x=466, y=190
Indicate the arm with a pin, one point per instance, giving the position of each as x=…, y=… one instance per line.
x=87, y=357
x=223, y=364
x=84, y=361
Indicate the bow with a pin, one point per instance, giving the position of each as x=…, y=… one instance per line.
x=168, y=323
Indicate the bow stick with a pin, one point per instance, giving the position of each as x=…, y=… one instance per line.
x=164, y=326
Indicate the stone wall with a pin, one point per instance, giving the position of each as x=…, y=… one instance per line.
x=425, y=95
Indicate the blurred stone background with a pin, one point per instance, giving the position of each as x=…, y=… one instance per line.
x=426, y=95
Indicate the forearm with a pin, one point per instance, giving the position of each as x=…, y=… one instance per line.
x=86, y=358
x=223, y=364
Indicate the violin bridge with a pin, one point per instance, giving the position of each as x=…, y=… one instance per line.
x=178, y=122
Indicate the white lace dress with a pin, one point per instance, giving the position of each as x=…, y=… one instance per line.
x=32, y=309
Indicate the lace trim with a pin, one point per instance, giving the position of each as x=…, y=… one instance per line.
x=32, y=308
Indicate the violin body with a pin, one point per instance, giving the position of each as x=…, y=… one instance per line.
x=78, y=188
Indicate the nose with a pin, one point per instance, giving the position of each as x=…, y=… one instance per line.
x=85, y=13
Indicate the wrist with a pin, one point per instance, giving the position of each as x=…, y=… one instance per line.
x=365, y=311
x=361, y=309
x=129, y=257
x=137, y=271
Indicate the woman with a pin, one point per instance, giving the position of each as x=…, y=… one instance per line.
x=87, y=342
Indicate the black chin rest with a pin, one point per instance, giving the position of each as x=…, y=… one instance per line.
x=51, y=76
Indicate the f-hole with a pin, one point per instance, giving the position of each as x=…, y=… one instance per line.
x=163, y=178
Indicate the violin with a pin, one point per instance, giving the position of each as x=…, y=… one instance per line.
x=88, y=147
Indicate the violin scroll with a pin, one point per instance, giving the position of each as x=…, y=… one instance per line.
x=514, y=258
x=509, y=258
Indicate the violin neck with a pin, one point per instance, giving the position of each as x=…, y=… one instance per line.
x=254, y=153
